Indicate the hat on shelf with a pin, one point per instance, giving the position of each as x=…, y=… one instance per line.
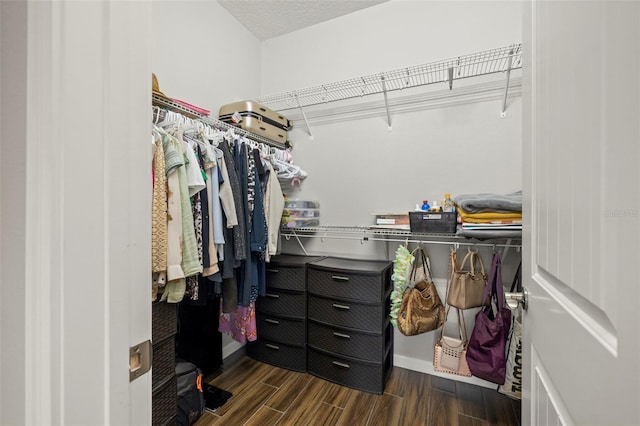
x=155, y=88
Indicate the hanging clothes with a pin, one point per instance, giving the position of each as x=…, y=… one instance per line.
x=274, y=207
x=239, y=231
x=159, y=221
x=222, y=196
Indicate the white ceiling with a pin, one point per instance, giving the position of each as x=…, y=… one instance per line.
x=271, y=18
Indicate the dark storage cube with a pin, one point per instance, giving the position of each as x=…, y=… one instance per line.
x=282, y=329
x=163, y=320
x=285, y=278
x=351, y=372
x=278, y=354
x=282, y=303
x=371, y=317
x=439, y=223
x=350, y=338
x=164, y=361
x=164, y=402
x=366, y=281
x=366, y=345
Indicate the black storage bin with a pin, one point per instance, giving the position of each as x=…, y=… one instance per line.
x=164, y=365
x=428, y=222
x=164, y=403
x=290, y=330
x=351, y=372
x=278, y=354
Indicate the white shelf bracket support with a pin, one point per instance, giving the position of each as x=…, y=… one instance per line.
x=304, y=116
x=507, y=246
x=304, y=250
x=386, y=101
x=506, y=89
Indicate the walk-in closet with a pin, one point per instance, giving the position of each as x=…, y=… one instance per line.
x=422, y=100
x=440, y=174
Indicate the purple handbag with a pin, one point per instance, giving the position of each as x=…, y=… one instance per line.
x=486, y=353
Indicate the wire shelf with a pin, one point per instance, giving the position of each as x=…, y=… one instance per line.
x=174, y=106
x=213, y=122
x=472, y=65
x=369, y=233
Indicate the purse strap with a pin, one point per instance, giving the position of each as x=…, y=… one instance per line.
x=423, y=258
x=494, y=286
x=453, y=265
x=462, y=326
x=473, y=257
x=516, y=285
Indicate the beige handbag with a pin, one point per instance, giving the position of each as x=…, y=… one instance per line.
x=467, y=286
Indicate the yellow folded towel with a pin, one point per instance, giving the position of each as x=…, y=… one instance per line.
x=489, y=217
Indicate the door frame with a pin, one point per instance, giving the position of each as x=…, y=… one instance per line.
x=74, y=210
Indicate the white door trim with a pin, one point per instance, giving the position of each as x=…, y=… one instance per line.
x=74, y=211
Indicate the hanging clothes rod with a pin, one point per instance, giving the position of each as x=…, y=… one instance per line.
x=446, y=71
x=213, y=122
x=226, y=126
x=364, y=234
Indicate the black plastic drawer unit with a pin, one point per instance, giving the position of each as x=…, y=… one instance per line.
x=350, y=338
x=281, y=315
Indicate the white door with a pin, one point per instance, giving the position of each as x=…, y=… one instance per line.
x=75, y=216
x=582, y=211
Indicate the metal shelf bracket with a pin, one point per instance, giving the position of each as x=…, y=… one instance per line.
x=503, y=113
x=386, y=101
x=304, y=116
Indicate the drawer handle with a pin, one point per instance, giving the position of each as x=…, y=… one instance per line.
x=341, y=364
x=344, y=336
x=274, y=296
x=275, y=271
x=339, y=278
x=270, y=346
x=272, y=321
x=346, y=308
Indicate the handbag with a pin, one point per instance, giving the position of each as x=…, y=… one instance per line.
x=450, y=353
x=421, y=309
x=486, y=353
x=467, y=286
x=513, y=375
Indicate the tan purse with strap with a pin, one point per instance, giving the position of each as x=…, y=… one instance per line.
x=467, y=285
x=450, y=354
x=421, y=310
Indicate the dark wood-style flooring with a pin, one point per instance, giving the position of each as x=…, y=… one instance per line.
x=266, y=395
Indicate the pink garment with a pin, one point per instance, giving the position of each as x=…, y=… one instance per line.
x=193, y=107
x=241, y=324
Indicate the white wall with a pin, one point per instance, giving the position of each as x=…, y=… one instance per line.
x=358, y=167
x=202, y=55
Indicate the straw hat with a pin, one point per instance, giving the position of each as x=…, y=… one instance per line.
x=155, y=87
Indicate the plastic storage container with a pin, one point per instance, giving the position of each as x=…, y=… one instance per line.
x=301, y=213
x=441, y=223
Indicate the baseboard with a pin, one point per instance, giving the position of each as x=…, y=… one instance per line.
x=426, y=367
x=232, y=349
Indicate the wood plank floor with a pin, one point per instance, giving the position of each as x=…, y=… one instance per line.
x=266, y=395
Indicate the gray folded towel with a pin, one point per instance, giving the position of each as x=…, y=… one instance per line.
x=500, y=203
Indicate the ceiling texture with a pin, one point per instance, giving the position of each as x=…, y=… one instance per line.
x=271, y=18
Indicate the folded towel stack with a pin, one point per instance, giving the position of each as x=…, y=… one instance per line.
x=490, y=215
